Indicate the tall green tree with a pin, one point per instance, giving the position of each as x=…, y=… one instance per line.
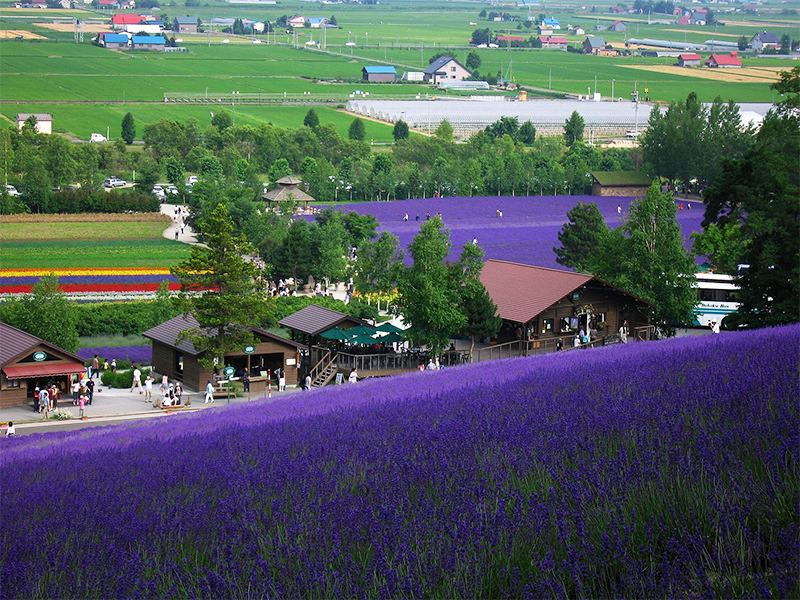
x=473, y=61
x=221, y=119
x=429, y=299
x=174, y=170
x=128, y=128
x=760, y=192
x=311, y=119
x=400, y=131
x=356, y=131
x=47, y=313
x=480, y=311
x=646, y=257
x=378, y=264
x=582, y=238
x=573, y=128
x=298, y=253
x=444, y=131
x=331, y=259
x=219, y=288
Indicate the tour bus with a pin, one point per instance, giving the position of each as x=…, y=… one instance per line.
x=716, y=298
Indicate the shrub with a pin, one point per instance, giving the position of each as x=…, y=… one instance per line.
x=123, y=380
x=87, y=200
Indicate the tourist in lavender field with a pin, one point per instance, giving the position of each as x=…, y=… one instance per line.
x=431, y=365
x=623, y=332
x=353, y=376
x=179, y=392
x=148, y=389
x=10, y=430
x=209, y=392
x=95, y=366
x=246, y=380
x=44, y=401
x=714, y=327
x=137, y=379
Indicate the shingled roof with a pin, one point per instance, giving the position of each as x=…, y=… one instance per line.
x=523, y=291
x=167, y=333
x=17, y=342
x=314, y=319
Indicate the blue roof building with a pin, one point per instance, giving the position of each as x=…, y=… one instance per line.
x=552, y=23
x=378, y=73
x=149, y=42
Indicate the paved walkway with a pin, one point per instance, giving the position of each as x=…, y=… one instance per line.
x=186, y=235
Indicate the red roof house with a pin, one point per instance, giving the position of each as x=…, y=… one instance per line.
x=510, y=38
x=126, y=19
x=554, y=41
x=724, y=61
x=689, y=60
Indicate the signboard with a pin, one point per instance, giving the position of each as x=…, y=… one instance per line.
x=229, y=371
x=291, y=361
x=39, y=356
x=249, y=349
x=339, y=378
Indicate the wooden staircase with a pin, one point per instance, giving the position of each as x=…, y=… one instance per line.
x=325, y=375
x=324, y=371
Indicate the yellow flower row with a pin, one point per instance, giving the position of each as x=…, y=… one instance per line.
x=67, y=272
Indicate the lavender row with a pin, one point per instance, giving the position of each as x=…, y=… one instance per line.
x=647, y=470
x=141, y=355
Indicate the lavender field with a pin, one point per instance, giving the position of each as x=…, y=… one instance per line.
x=526, y=233
x=655, y=470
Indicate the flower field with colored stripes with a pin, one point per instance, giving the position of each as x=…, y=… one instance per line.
x=89, y=284
x=648, y=470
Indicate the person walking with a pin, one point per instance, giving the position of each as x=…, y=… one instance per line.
x=44, y=400
x=246, y=380
x=148, y=389
x=82, y=406
x=209, y=392
x=623, y=332
x=281, y=380
x=137, y=379
x=95, y=366
x=90, y=390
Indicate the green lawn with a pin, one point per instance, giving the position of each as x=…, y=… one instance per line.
x=93, y=253
x=102, y=231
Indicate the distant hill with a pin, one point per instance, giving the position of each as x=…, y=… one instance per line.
x=643, y=470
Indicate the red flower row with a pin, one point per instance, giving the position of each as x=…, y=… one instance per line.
x=88, y=287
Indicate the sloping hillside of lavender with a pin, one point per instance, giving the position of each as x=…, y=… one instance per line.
x=664, y=469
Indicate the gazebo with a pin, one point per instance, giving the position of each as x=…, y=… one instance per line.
x=287, y=191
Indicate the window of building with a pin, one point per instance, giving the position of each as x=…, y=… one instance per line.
x=12, y=383
x=706, y=295
x=452, y=69
x=547, y=325
x=565, y=325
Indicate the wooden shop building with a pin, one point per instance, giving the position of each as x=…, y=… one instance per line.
x=180, y=360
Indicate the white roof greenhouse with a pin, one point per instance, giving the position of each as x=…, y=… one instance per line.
x=548, y=116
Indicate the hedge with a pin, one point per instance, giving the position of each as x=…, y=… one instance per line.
x=86, y=200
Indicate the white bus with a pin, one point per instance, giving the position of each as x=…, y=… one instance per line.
x=716, y=298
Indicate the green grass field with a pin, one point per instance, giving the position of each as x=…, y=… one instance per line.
x=405, y=33
x=92, y=253
x=20, y=232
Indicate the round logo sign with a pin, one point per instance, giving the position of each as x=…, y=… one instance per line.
x=39, y=356
x=229, y=371
x=249, y=349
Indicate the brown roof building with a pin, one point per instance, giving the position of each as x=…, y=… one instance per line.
x=314, y=319
x=26, y=360
x=287, y=191
x=180, y=360
x=541, y=303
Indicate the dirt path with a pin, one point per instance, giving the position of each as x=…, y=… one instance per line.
x=184, y=232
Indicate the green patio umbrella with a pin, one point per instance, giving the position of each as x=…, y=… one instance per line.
x=360, y=330
x=388, y=327
x=391, y=338
x=334, y=334
x=363, y=340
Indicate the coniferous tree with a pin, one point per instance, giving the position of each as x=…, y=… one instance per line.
x=582, y=238
x=220, y=289
x=357, y=130
x=128, y=128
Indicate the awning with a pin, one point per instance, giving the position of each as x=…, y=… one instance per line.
x=46, y=369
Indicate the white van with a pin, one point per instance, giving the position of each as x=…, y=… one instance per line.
x=97, y=137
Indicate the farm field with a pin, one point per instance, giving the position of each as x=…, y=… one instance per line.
x=526, y=233
x=642, y=470
x=110, y=257
x=82, y=120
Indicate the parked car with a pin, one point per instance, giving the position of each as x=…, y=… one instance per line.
x=171, y=189
x=191, y=180
x=158, y=192
x=97, y=137
x=114, y=182
x=632, y=134
x=11, y=190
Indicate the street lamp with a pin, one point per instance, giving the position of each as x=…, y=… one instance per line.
x=367, y=34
